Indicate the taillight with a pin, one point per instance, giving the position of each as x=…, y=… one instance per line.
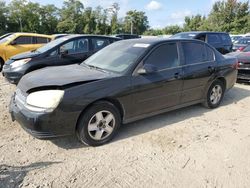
x=236, y=65
x=241, y=48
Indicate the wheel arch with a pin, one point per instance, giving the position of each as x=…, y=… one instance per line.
x=113, y=101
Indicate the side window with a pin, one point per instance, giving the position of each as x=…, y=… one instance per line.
x=202, y=37
x=41, y=40
x=163, y=57
x=210, y=54
x=76, y=46
x=53, y=53
x=99, y=43
x=23, y=40
x=194, y=52
x=213, y=38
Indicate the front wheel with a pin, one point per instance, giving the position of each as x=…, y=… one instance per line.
x=99, y=124
x=214, y=95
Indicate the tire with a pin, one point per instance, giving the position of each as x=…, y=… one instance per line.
x=99, y=124
x=214, y=95
x=1, y=65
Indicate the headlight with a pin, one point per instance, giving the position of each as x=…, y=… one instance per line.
x=19, y=63
x=44, y=101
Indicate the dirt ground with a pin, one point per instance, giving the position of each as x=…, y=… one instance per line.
x=191, y=147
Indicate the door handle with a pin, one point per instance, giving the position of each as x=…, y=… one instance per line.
x=211, y=69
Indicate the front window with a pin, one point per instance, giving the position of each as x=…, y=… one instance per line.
x=117, y=57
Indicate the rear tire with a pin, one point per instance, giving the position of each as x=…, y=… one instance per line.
x=98, y=124
x=214, y=95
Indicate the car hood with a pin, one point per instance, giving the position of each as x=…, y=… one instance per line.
x=25, y=55
x=61, y=76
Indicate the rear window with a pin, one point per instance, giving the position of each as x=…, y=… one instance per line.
x=41, y=40
x=99, y=43
x=226, y=39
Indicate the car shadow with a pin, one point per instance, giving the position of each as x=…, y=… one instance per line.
x=235, y=95
x=13, y=176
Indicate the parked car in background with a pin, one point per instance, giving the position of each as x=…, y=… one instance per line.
x=244, y=64
x=20, y=42
x=127, y=36
x=126, y=81
x=5, y=35
x=241, y=44
x=221, y=41
x=234, y=38
x=67, y=50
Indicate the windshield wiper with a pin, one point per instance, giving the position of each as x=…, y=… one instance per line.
x=95, y=67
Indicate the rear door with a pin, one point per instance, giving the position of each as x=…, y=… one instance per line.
x=199, y=67
x=161, y=89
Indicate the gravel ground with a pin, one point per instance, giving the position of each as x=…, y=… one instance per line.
x=191, y=147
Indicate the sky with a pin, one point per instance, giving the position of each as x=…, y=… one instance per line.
x=160, y=13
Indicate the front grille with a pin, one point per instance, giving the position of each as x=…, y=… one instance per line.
x=243, y=65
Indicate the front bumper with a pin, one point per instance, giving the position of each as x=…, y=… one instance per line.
x=243, y=75
x=44, y=125
x=13, y=76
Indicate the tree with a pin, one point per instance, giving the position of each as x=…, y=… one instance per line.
x=3, y=17
x=136, y=22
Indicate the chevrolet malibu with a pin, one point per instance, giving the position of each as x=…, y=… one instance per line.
x=126, y=81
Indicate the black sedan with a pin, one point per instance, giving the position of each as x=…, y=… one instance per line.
x=126, y=81
x=244, y=64
x=67, y=50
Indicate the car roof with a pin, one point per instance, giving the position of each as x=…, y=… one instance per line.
x=200, y=32
x=154, y=41
x=31, y=34
x=70, y=36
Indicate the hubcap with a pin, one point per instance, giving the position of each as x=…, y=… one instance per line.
x=216, y=94
x=101, y=125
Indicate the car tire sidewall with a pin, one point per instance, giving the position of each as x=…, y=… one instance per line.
x=208, y=101
x=82, y=127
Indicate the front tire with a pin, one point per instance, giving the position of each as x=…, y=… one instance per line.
x=214, y=95
x=99, y=124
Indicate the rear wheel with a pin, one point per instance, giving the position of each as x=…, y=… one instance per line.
x=99, y=124
x=215, y=94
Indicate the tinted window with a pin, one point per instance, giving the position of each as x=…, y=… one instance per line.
x=210, y=54
x=165, y=56
x=213, y=38
x=24, y=40
x=226, y=39
x=76, y=46
x=41, y=40
x=99, y=43
x=194, y=52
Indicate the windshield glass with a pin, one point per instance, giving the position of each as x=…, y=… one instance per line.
x=51, y=44
x=5, y=39
x=247, y=49
x=117, y=57
x=184, y=36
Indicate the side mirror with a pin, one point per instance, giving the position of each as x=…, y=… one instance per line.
x=64, y=52
x=13, y=42
x=147, y=69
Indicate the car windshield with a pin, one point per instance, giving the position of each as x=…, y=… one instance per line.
x=184, y=36
x=50, y=45
x=247, y=49
x=117, y=57
x=7, y=38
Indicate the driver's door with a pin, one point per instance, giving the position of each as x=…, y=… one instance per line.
x=161, y=89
